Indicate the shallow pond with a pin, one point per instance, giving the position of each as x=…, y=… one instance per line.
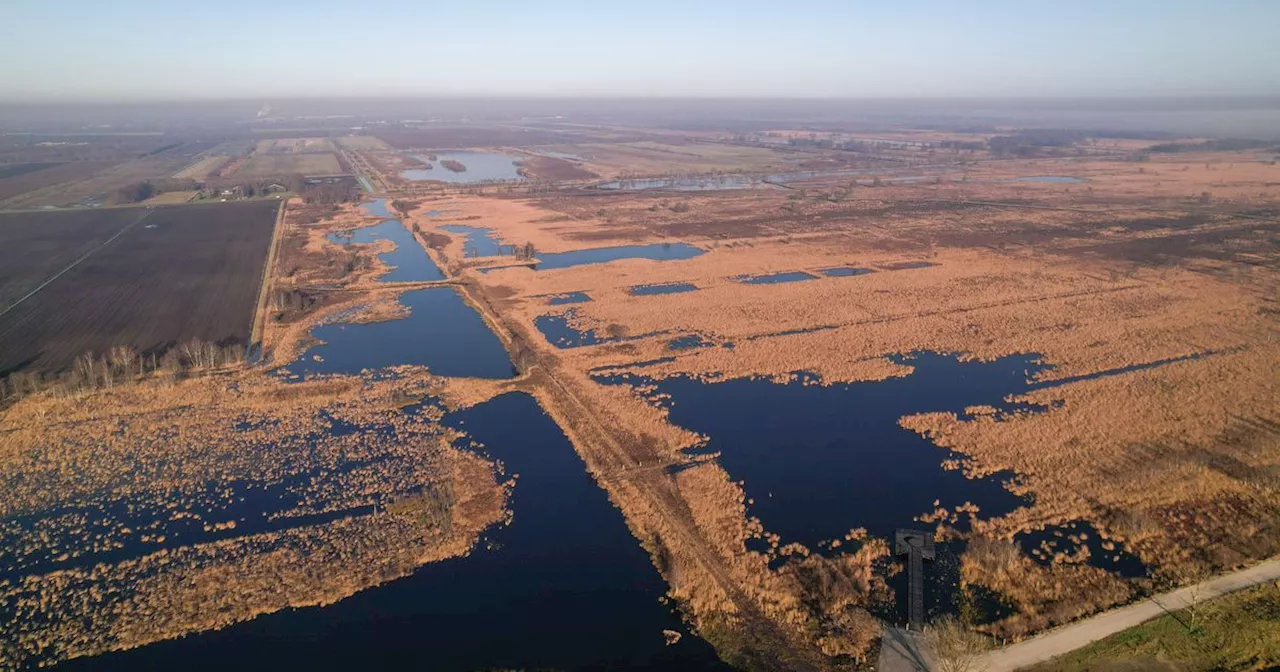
x=441, y=332
x=1072, y=538
x=563, y=586
x=601, y=255
x=560, y=333
x=480, y=167
x=377, y=208
x=775, y=278
x=567, y=298
x=844, y=272
x=819, y=460
x=670, y=288
x=480, y=241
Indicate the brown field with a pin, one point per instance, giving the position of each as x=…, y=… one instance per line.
x=202, y=169
x=39, y=179
x=171, y=198
x=270, y=165
x=36, y=245
x=176, y=273
x=294, y=145
x=193, y=565
x=362, y=143
x=661, y=158
x=550, y=168
x=443, y=137
x=98, y=184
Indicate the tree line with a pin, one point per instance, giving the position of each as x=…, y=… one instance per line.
x=121, y=364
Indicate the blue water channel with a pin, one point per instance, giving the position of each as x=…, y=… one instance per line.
x=441, y=333
x=410, y=261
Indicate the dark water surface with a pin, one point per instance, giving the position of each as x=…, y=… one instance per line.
x=600, y=255
x=775, y=278
x=1059, y=539
x=564, y=586
x=570, y=297
x=819, y=460
x=560, y=333
x=844, y=271
x=441, y=332
x=670, y=288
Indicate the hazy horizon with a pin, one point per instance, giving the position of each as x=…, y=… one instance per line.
x=147, y=50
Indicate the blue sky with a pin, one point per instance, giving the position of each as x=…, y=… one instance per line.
x=125, y=49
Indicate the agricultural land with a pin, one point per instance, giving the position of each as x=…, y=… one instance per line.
x=146, y=278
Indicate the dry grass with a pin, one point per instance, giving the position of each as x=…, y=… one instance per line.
x=1186, y=449
x=178, y=563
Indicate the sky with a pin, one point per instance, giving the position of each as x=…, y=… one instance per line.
x=165, y=49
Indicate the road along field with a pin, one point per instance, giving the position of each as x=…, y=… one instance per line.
x=170, y=275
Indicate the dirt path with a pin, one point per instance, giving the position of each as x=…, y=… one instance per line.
x=1077, y=635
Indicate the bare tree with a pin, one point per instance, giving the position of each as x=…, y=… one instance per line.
x=122, y=358
x=955, y=647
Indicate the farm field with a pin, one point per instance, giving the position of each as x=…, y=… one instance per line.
x=92, y=186
x=36, y=245
x=202, y=169
x=362, y=142
x=177, y=273
x=293, y=145
x=21, y=183
x=269, y=165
